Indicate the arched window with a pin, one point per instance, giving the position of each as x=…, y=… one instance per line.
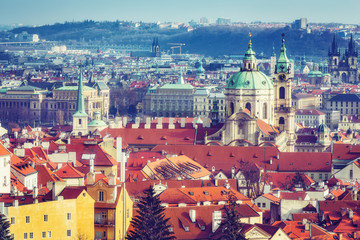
x=344, y=77
x=281, y=121
x=232, y=108
x=282, y=93
x=265, y=111
x=248, y=106
x=335, y=61
x=352, y=61
x=249, y=65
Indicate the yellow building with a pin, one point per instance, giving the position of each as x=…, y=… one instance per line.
x=71, y=216
x=113, y=206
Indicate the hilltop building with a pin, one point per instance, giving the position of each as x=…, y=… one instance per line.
x=344, y=68
x=259, y=110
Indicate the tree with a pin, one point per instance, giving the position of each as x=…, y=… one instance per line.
x=231, y=226
x=4, y=228
x=150, y=222
x=252, y=177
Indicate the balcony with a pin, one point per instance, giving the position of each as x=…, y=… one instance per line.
x=104, y=223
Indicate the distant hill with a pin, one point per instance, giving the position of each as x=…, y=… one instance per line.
x=211, y=40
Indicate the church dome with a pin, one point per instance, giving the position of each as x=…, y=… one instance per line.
x=249, y=80
x=323, y=128
x=313, y=74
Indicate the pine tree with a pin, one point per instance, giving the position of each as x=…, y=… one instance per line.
x=150, y=222
x=4, y=228
x=230, y=226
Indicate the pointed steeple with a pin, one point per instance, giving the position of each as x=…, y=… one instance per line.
x=283, y=63
x=80, y=106
x=250, y=54
x=273, y=53
x=180, y=78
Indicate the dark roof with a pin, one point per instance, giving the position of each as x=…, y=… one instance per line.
x=345, y=98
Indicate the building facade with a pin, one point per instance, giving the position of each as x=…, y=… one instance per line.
x=57, y=105
x=344, y=68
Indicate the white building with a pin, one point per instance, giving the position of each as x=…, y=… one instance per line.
x=5, y=170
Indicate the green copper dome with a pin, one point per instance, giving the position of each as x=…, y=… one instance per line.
x=249, y=80
x=313, y=74
x=323, y=128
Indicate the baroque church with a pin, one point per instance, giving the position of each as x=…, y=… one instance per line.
x=258, y=109
x=344, y=67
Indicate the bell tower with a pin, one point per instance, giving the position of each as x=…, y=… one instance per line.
x=80, y=117
x=284, y=112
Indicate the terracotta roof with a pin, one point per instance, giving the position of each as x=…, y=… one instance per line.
x=45, y=175
x=312, y=217
x=153, y=136
x=200, y=194
x=72, y=192
x=3, y=150
x=179, y=166
x=134, y=188
x=293, y=195
x=271, y=197
x=68, y=171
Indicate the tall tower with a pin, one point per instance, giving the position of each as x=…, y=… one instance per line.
x=334, y=56
x=80, y=117
x=284, y=112
x=272, y=62
x=351, y=55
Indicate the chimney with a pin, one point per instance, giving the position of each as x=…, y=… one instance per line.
x=276, y=193
x=354, y=193
x=340, y=236
x=16, y=203
x=35, y=192
x=271, y=161
x=182, y=122
x=57, y=188
x=351, y=214
x=216, y=220
x=125, y=121
x=112, y=179
x=137, y=123
x=147, y=123
x=120, y=157
x=159, y=124
x=192, y=215
x=171, y=123
x=92, y=164
x=90, y=178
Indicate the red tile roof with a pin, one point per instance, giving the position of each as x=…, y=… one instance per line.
x=68, y=171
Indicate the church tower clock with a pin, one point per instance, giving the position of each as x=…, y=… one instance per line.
x=284, y=112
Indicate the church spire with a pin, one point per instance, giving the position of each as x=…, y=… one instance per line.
x=283, y=63
x=249, y=62
x=80, y=106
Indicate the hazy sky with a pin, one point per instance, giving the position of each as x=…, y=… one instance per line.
x=35, y=12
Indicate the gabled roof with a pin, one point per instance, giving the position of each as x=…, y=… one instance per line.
x=68, y=171
x=72, y=192
x=45, y=175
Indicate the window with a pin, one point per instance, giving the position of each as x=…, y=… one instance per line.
x=12, y=220
x=351, y=174
x=31, y=235
x=49, y=234
x=101, y=196
x=258, y=204
x=98, y=235
x=104, y=215
x=282, y=93
x=25, y=236
x=79, y=121
x=312, y=176
x=68, y=233
x=320, y=176
x=46, y=218
x=263, y=205
x=27, y=219
x=68, y=216
x=43, y=234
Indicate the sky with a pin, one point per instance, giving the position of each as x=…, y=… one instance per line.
x=39, y=12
